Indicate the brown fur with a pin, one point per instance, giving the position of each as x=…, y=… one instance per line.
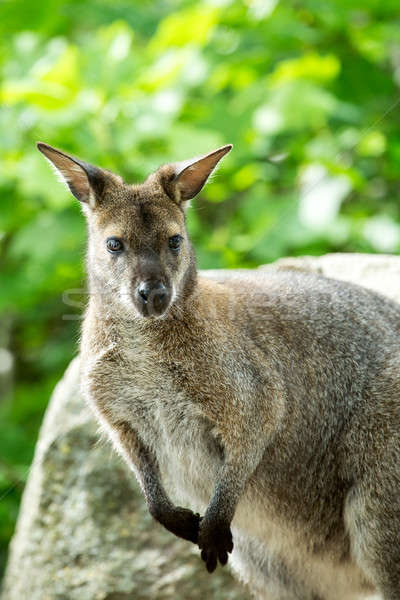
x=270, y=403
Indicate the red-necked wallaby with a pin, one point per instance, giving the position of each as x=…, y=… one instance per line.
x=267, y=402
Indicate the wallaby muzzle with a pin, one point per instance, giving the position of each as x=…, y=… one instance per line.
x=152, y=298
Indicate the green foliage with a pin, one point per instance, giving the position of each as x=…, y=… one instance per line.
x=305, y=91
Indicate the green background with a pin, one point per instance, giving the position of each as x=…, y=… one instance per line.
x=306, y=91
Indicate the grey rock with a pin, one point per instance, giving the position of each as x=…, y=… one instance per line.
x=84, y=532
x=379, y=272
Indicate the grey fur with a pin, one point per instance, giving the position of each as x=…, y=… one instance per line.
x=269, y=402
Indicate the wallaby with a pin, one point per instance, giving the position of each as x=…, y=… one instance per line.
x=269, y=401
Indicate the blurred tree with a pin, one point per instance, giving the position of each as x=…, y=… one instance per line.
x=307, y=92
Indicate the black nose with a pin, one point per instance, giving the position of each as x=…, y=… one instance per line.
x=144, y=290
x=149, y=288
x=153, y=297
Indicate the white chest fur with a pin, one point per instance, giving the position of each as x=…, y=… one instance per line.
x=141, y=391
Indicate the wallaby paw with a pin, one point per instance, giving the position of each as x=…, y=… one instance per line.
x=215, y=542
x=184, y=523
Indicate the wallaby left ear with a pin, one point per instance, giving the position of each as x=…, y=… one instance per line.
x=187, y=178
x=85, y=181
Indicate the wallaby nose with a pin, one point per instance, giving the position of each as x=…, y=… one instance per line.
x=144, y=290
x=148, y=288
x=153, y=296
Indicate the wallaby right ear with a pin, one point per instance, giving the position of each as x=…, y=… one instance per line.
x=85, y=181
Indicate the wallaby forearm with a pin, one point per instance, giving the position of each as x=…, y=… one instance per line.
x=215, y=537
x=144, y=464
x=243, y=448
x=180, y=521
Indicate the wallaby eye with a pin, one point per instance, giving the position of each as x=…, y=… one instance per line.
x=114, y=245
x=174, y=242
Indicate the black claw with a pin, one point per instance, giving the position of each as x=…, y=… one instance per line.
x=211, y=563
x=215, y=542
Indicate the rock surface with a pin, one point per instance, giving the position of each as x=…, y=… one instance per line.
x=84, y=532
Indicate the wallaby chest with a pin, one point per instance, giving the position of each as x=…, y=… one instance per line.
x=153, y=391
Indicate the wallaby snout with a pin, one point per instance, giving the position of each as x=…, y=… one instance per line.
x=152, y=298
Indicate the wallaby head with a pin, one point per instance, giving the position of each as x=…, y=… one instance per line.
x=139, y=252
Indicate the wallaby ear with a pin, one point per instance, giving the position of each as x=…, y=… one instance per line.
x=85, y=181
x=188, y=177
